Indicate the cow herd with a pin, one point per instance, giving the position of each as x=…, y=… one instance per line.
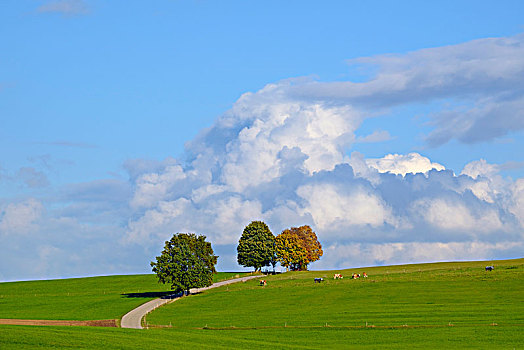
x=338, y=276
x=365, y=275
x=354, y=276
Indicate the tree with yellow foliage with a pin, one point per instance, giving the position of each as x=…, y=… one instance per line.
x=297, y=247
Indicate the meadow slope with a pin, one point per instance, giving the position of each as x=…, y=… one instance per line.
x=412, y=295
x=90, y=298
x=424, y=306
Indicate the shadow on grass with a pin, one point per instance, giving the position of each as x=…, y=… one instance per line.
x=162, y=295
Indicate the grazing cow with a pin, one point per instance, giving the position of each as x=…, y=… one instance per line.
x=262, y=282
x=318, y=280
x=337, y=276
x=365, y=275
x=490, y=268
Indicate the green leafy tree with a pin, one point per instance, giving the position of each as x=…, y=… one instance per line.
x=186, y=262
x=256, y=247
x=297, y=247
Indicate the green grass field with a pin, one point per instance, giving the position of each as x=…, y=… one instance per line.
x=92, y=298
x=26, y=337
x=429, y=294
x=426, y=306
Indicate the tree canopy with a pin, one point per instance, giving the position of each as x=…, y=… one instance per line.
x=297, y=247
x=256, y=247
x=186, y=262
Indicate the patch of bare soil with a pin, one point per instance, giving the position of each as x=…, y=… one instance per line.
x=94, y=323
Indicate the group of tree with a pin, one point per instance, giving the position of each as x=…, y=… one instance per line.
x=294, y=248
x=188, y=260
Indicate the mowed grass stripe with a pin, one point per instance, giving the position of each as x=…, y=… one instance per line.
x=23, y=337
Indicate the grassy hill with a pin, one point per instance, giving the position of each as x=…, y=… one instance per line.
x=91, y=298
x=443, y=305
x=427, y=294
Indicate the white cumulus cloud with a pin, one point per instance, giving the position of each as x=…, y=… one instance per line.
x=21, y=217
x=517, y=201
x=403, y=164
x=456, y=215
x=284, y=155
x=281, y=155
x=333, y=207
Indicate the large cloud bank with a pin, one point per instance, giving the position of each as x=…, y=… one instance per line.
x=284, y=155
x=281, y=155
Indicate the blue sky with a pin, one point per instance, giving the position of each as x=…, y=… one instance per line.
x=106, y=106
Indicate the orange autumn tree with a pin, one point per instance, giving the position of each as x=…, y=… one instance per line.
x=297, y=247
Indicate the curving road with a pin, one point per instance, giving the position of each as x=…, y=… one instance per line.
x=133, y=319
